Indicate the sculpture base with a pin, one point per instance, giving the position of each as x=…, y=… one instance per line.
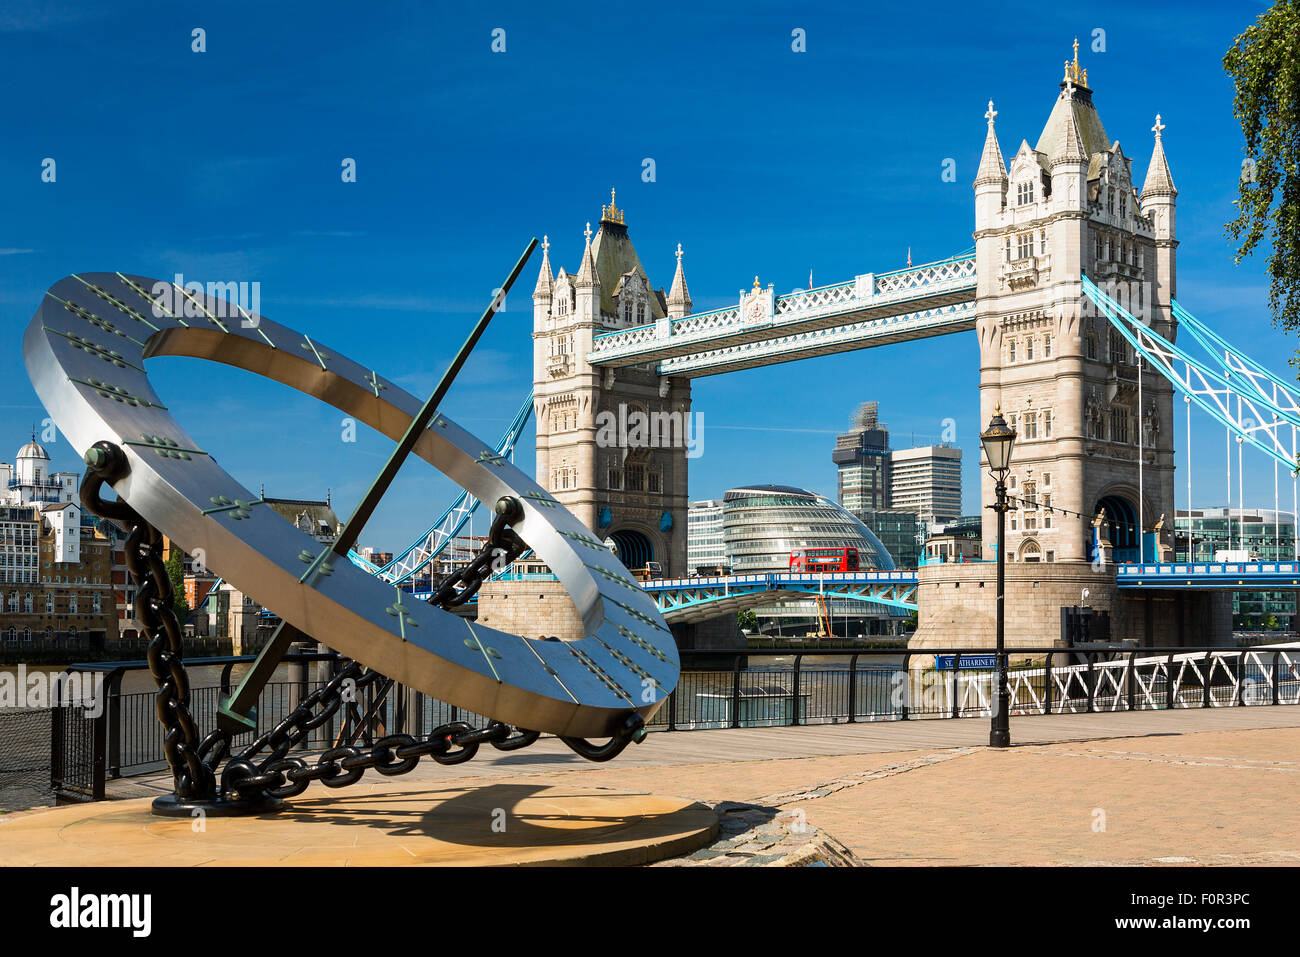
x=169, y=805
x=382, y=823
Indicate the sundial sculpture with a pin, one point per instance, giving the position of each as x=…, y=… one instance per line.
x=85, y=350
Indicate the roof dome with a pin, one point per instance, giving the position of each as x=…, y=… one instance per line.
x=33, y=451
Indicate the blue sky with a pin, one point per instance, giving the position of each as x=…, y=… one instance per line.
x=225, y=165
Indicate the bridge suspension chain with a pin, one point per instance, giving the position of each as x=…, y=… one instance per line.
x=1259, y=417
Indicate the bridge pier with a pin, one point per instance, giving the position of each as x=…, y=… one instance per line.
x=532, y=608
x=722, y=632
x=958, y=607
x=1174, y=618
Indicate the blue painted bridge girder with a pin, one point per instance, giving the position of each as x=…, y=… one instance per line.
x=687, y=600
x=1219, y=576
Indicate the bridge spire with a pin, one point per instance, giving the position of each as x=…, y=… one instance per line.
x=545, y=281
x=1159, y=181
x=587, y=272
x=993, y=168
x=679, y=297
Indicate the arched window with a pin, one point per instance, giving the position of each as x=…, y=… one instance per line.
x=13, y=602
x=27, y=603
x=1092, y=344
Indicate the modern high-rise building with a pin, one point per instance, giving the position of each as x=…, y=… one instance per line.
x=861, y=458
x=927, y=481
x=899, y=530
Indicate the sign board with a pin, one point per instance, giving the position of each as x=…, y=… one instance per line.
x=968, y=662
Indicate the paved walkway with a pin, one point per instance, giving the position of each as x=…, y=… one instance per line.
x=1214, y=786
x=673, y=749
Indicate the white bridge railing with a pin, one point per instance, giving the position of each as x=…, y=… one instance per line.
x=1232, y=677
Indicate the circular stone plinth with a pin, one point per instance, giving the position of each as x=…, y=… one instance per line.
x=381, y=825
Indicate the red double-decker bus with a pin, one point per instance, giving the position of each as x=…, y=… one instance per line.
x=824, y=560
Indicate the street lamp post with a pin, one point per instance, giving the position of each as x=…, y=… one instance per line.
x=998, y=440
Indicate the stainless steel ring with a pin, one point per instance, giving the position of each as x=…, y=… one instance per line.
x=85, y=350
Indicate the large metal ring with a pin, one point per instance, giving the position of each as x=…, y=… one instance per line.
x=85, y=350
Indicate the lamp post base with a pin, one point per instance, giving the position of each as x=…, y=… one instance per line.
x=1000, y=738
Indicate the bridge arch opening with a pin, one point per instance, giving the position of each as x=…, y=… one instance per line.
x=633, y=548
x=1119, y=525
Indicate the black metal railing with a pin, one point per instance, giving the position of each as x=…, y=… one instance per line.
x=717, y=689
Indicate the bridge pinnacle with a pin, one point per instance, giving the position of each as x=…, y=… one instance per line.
x=1159, y=180
x=679, y=297
x=993, y=169
x=545, y=280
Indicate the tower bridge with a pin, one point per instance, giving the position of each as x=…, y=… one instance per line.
x=1071, y=292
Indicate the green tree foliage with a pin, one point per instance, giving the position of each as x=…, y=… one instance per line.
x=1264, y=64
x=176, y=572
x=748, y=620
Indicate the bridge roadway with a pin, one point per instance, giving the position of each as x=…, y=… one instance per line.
x=689, y=600
x=1221, y=576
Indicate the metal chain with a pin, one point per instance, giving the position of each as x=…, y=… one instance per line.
x=154, y=601
x=254, y=775
x=502, y=547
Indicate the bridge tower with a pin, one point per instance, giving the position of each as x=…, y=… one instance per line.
x=1094, y=460
x=1061, y=376
x=612, y=444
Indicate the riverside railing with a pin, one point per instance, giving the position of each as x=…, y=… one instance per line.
x=721, y=689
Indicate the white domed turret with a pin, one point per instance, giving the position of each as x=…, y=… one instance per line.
x=30, y=479
x=33, y=450
x=32, y=465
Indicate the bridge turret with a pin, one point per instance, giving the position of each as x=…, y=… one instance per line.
x=587, y=285
x=679, y=297
x=991, y=179
x=1158, y=203
x=544, y=291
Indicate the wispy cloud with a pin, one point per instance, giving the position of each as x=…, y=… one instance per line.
x=332, y=233
x=34, y=16
x=11, y=251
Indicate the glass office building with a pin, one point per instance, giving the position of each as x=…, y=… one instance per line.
x=760, y=525
x=1264, y=535
x=763, y=524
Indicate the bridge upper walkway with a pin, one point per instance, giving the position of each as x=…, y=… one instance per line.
x=870, y=310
